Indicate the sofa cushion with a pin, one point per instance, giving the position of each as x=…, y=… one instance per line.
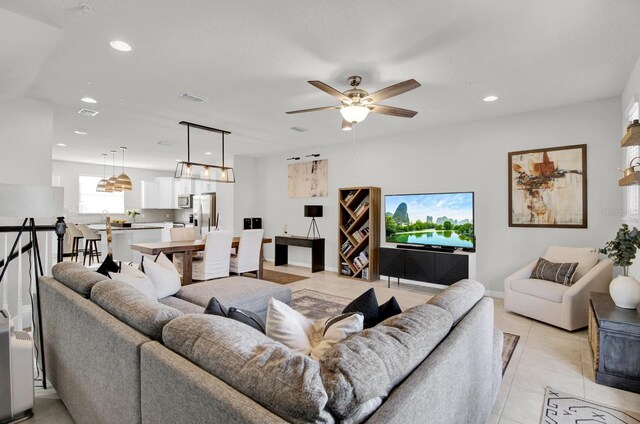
x=371, y=363
x=556, y=272
x=282, y=381
x=459, y=298
x=240, y=292
x=587, y=258
x=76, y=277
x=542, y=289
x=182, y=305
x=132, y=307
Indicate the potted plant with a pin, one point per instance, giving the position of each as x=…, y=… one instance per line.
x=624, y=290
x=133, y=213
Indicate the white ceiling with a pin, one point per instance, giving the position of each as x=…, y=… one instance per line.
x=253, y=58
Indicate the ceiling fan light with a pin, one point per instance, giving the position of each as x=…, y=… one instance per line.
x=354, y=113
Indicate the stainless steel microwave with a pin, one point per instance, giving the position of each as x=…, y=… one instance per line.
x=185, y=201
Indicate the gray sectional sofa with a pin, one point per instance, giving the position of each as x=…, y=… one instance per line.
x=115, y=356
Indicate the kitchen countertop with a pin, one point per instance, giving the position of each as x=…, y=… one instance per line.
x=134, y=227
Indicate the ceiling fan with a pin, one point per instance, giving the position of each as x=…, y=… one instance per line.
x=357, y=103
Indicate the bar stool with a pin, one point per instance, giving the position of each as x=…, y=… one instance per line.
x=90, y=243
x=75, y=234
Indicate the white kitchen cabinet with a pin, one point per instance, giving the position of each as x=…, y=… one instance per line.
x=167, y=197
x=202, y=186
x=184, y=186
x=150, y=194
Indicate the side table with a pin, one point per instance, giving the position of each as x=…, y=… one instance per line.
x=614, y=336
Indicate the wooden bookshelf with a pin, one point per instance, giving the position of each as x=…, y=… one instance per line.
x=359, y=232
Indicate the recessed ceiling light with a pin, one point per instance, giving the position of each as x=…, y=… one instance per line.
x=61, y=145
x=208, y=153
x=89, y=100
x=81, y=132
x=120, y=46
x=490, y=98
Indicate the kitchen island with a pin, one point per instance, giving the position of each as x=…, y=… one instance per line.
x=124, y=237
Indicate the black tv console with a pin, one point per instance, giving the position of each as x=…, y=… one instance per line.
x=423, y=265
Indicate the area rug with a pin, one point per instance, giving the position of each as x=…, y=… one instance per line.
x=316, y=305
x=563, y=408
x=281, y=277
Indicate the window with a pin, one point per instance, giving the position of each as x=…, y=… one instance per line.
x=92, y=201
x=632, y=193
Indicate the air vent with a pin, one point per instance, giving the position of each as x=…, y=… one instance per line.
x=164, y=143
x=298, y=129
x=194, y=97
x=88, y=112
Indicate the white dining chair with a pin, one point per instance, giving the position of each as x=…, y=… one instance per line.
x=182, y=234
x=248, y=257
x=90, y=243
x=215, y=261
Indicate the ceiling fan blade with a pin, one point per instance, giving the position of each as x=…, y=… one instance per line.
x=330, y=90
x=392, y=90
x=393, y=111
x=314, y=109
x=346, y=125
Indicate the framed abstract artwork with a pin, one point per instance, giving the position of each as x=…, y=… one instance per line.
x=309, y=179
x=548, y=187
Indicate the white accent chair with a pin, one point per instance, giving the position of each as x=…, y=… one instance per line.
x=215, y=261
x=556, y=304
x=248, y=257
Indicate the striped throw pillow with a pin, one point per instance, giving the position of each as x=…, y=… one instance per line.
x=561, y=273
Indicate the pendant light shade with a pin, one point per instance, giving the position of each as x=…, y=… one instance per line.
x=111, y=182
x=123, y=182
x=204, y=171
x=102, y=184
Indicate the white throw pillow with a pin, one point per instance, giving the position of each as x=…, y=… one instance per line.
x=144, y=285
x=163, y=274
x=133, y=270
x=304, y=336
x=289, y=327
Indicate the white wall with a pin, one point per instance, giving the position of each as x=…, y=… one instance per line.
x=69, y=172
x=247, y=203
x=469, y=156
x=26, y=137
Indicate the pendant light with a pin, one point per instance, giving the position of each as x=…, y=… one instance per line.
x=123, y=182
x=102, y=184
x=111, y=182
x=204, y=171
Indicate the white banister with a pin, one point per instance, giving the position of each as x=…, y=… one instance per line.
x=5, y=285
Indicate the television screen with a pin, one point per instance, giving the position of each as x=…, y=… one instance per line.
x=436, y=219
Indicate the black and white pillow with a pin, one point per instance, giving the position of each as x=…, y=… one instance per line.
x=561, y=273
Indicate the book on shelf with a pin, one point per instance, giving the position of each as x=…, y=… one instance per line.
x=365, y=273
x=349, y=196
x=361, y=208
x=349, y=223
x=345, y=269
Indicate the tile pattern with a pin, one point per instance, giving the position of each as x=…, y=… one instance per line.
x=545, y=355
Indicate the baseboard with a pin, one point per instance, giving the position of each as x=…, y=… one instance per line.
x=493, y=293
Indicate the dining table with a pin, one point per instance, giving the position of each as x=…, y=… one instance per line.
x=187, y=248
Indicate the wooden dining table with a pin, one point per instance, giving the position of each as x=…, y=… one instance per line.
x=187, y=248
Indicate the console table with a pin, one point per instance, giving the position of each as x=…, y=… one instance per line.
x=316, y=245
x=614, y=336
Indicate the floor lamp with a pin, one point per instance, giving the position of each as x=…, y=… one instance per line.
x=30, y=202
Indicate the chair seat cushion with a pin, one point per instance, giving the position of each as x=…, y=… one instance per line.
x=542, y=289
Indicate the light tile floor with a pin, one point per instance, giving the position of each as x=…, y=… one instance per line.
x=544, y=356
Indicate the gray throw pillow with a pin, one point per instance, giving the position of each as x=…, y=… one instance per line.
x=561, y=273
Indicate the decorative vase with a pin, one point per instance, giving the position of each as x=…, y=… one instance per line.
x=625, y=292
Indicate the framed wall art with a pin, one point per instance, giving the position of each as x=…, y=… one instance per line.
x=548, y=187
x=309, y=179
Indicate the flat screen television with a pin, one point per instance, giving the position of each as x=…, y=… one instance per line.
x=442, y=221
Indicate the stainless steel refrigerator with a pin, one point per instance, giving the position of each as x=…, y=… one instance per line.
x=204, y=212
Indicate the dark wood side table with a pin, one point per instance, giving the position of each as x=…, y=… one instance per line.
x=614, y=336
x=316, y=245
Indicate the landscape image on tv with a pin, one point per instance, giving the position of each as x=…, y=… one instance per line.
x=430, y=219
